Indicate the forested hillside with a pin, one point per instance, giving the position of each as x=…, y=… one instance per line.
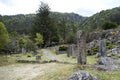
x=96, y=21
x=22, y=23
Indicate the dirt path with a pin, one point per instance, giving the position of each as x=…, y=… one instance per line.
x=48, y=54
x=23, y=71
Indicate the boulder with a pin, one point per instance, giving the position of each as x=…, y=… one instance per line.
x=107, y=64
x=82, y=75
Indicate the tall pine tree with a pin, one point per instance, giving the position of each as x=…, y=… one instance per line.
x=44, y=24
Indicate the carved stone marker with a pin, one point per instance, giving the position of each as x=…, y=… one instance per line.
x=38, y=57
x=81, y=43
x=69, y=51
x=102, y=48
x=23, y=50
x=91, y=47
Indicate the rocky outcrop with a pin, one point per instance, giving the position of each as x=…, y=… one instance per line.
x=107, y=64
x=82, y=75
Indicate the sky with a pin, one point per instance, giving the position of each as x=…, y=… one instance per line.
x=81, y=7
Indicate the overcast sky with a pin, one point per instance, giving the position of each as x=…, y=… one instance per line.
x=81, y=7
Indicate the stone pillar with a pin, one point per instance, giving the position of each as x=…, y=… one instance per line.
x=69, y=51
x=102, y=48
x=73, y=50
x=23, y=50
x=38, y=58
x=81, y=43
x=91, y=47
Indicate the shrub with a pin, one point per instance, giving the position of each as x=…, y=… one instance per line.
x=108, y=45
x=63, y=48
x=109, y=25
x=95, y=49
x=88, y=52
x=28, y=56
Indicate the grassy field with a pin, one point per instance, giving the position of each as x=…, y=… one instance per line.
x=50, y=71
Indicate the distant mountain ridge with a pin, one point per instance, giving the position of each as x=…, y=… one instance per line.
x=22, y=23
x=98, y=19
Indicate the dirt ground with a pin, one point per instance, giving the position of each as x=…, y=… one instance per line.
x=23, y=71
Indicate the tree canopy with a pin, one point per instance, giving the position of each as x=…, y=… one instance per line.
x=44, y=24
x=4, y=37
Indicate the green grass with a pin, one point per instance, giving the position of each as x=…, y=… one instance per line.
x=7, y=60
x=91, y=60
x=102, y=75
x=59, y=71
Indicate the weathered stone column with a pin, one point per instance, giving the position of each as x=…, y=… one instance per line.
x=81, y=44
x=102, y=48
x=69, y=51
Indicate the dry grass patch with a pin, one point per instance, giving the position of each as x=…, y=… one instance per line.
x=56, y=72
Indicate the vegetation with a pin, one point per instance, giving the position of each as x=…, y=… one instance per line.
x=39, y=39
x=109, y=45
x=28, y=33
x=96, y=21
x=4, y=37
x=109, y=25
x=58, y=71
x=63, y=48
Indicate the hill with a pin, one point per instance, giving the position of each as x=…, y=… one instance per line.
x=22, y=23
x=98, y=19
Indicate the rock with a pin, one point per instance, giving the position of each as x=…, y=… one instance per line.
x=82, y=75
x=107, y=64
x=53, y=61
x=114, y=51
x=45, y=61
x=109, y=55
x=97, y=55
x=102, y=48
x=28, y=61
x=118, y=55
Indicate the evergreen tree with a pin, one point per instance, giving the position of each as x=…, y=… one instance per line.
x=44, y=24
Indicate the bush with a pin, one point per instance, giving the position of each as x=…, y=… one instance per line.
x=28, y=56
x=108, y=45
x=95, y=49
x=88, y=52
x=63, y=48
x=109, y=25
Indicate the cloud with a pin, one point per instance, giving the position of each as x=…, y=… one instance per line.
x=19, y=7
x=82, y=7
x=7, y=2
